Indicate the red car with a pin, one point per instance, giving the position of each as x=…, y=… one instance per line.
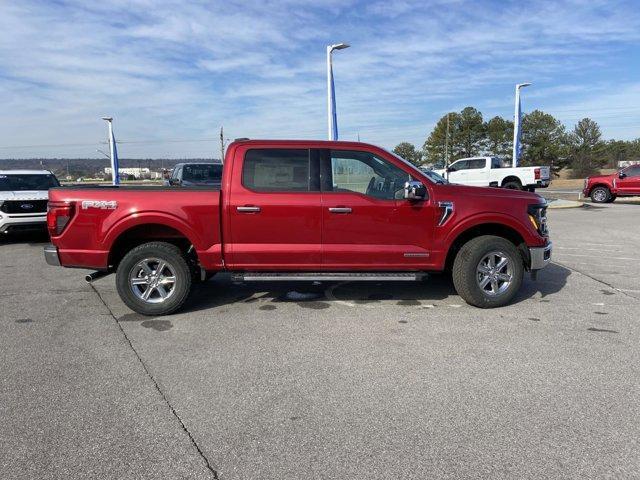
x=300, y=210
x=606, y=188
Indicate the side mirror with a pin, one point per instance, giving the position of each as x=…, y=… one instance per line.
x=622, y=175
x=414, y=190
x=174, y=182
x=450, y=169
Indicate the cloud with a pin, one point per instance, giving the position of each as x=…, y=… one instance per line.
x=179, y=70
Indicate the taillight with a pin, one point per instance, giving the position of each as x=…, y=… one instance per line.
x=58, y=216
x=536, y=172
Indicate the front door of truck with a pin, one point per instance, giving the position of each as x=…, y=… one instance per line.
x=477, y=173
x=458, y=172
x=273, y=210
x=630, y=184
x=366, y=222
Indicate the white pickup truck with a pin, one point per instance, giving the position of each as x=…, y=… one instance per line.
x=23, y=199
x=491, y=172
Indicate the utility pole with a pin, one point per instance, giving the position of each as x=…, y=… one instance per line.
x=222, y=144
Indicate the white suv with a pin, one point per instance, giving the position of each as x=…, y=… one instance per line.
x=23, y=199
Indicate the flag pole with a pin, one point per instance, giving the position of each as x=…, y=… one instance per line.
x=516, y=126
x=113, y=152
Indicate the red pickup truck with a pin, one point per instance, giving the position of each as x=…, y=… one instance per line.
x=606, y=188
x=300, y=210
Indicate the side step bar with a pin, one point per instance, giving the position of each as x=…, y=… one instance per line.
x=327, y=276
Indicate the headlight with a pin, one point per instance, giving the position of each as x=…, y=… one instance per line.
x=538, y=217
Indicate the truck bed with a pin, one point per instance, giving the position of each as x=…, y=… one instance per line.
x=89, y=236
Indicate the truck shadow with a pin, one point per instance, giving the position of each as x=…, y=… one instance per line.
x=34, y=237
x=221, y=291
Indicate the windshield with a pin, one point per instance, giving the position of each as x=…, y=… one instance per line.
x=9, y=183
x=202, y=173
x=436, y=177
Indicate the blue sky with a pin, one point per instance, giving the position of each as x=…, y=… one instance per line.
x=177, y=70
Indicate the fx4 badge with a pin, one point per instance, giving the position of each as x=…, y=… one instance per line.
x=101, y=204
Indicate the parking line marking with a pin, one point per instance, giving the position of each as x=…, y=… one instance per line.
x=590, y=256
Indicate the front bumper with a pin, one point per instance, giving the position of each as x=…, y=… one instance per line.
x=51, y=255
x=17, y=223
x=540, y=256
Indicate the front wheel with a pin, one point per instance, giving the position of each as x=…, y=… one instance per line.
x=488, y=271
x=600, y=195
x=154, y=279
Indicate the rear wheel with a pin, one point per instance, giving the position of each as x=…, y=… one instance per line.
x=600, y=195
x=488, y=271
x=154, y=278
x=512, y=185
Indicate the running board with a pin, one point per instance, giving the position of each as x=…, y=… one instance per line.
x=327, y=276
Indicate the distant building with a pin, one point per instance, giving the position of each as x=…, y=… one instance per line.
x=626, y=163
x=134, y=172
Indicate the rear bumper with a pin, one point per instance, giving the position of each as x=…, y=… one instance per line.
x=51, y=255
x=540, y=256
x=540, y=184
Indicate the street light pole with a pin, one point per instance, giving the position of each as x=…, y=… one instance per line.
x=516, y=125
x=332, y=120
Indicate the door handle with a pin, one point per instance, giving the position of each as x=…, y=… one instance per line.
x=340, y=209
x=248, y=209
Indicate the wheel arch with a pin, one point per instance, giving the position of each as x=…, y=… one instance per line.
x=140, y=233
x=599, y=184
x=489, y=228
x=511, y=178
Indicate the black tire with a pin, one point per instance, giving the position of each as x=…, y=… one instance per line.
x=600, y=195
x=176, y=263
x=466, y=277
x=512, y=185
x=612, y=199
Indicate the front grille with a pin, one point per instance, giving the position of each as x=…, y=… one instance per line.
x=24, y=206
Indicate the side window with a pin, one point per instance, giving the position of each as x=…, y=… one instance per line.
x=365, y=173
x=276, y=170
x=477, y=163
x=460, y=165
x=633, y=171
x=496, y=163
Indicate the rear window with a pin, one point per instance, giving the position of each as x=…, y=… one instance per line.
x=276, y=170
x=10, y=183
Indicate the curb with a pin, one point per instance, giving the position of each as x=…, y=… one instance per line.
x=565, y=204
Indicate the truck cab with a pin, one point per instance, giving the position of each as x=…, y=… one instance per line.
x=195, y=174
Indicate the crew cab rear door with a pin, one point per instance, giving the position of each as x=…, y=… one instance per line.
x=366, y=222
x=273, y=210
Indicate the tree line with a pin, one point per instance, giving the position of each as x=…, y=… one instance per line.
x=544, y=141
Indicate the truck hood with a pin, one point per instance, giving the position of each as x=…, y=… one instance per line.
x=493, y=192
x=591, y=178
x=25, y=195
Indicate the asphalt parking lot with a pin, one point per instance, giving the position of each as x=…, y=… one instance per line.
x=350, y=380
